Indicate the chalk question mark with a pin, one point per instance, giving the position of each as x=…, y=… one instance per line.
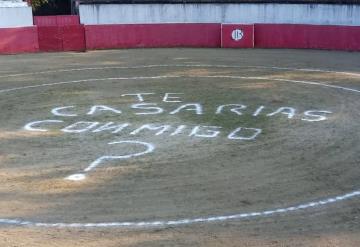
x=81, y=176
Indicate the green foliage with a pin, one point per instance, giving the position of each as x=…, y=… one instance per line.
x=37, y=3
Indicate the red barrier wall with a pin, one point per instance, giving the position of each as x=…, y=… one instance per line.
x=237, y=36
x=18, y=40
x=307, y=36
x=59, y=34
x=73, y=38
x=68, y=20
x=57, y=20
x=61, y=38
x=45, y=21
x=50, y=38
x=152, y=35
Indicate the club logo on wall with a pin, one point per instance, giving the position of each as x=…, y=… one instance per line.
x=237, y=34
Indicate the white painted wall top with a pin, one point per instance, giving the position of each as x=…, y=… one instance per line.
x=12, y=3
x=15, y=17
x=324, y=14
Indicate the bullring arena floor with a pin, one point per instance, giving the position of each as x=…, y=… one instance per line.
x=180, y=147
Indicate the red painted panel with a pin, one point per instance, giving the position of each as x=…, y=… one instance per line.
x=73, y=38
x=56, y=20
x=237, y=36
x=152, y=35
x=50, y=38
x=62, y=38
x=18, y=40
x=45, y=21
x=68, y=20
x=307, y=36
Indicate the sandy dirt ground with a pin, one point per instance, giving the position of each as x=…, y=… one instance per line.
x=299, y=115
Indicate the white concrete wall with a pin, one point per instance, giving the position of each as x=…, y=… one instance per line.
x=15, y=17
x=12, y=3
x=220, y=13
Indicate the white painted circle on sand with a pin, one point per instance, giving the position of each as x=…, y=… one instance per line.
x=176, y=222
x=76, y=177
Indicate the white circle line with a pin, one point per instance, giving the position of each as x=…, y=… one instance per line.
x=19, y=222
x=144, y=224
x=183, y=65
x=166, y=77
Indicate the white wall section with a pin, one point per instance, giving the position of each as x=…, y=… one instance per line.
x=12, y=3
x=323, y=14
x=15, y=17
